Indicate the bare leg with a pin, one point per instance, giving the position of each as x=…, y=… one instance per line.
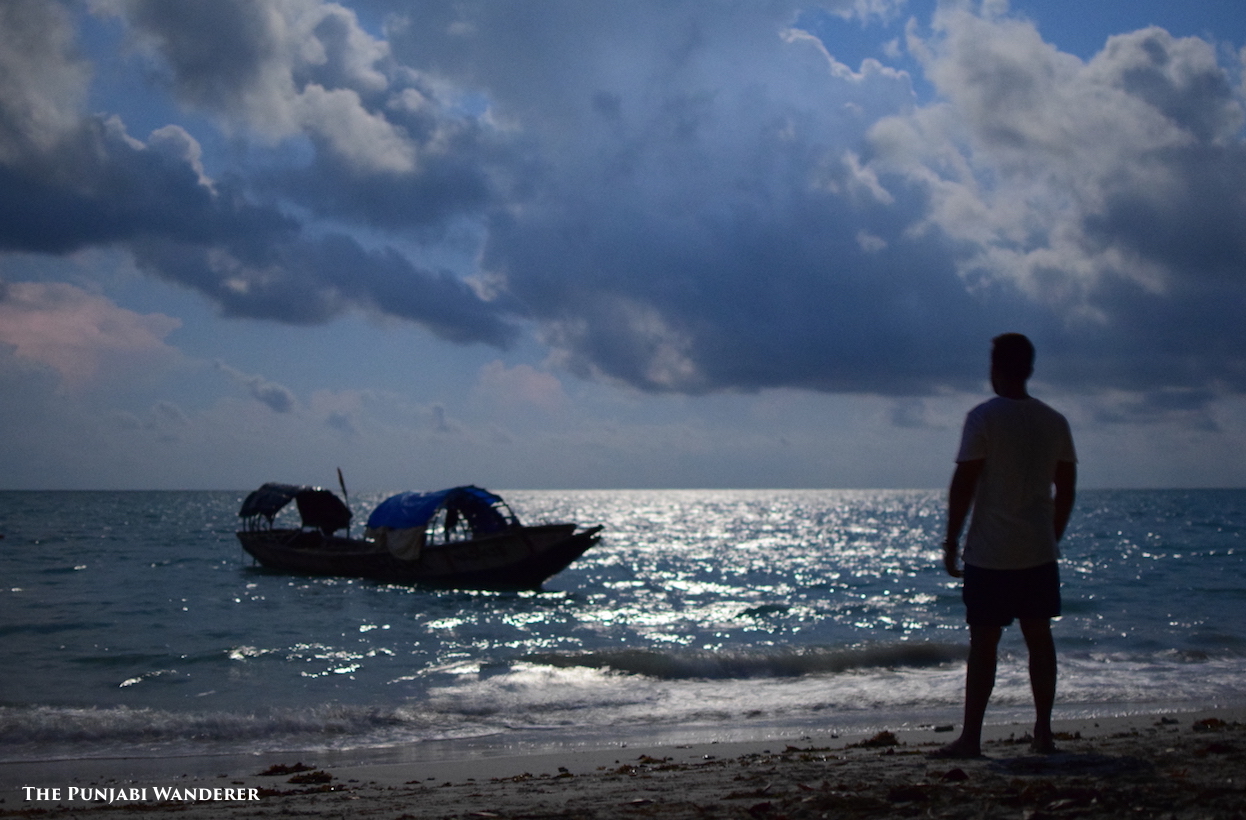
x=979, y=681
x=1042, y=650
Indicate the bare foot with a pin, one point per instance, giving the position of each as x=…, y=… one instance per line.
x=960, y=749
x=1043, y=747
x=1043, y=744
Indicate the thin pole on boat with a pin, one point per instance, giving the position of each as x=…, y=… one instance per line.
x=342, y=483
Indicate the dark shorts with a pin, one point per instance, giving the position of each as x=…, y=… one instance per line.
x=993, y=597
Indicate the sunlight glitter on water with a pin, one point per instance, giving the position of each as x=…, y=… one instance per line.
x=722, y=609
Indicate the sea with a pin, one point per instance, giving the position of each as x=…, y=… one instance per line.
x=133, y=625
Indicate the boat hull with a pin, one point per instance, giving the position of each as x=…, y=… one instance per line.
x=518, y=559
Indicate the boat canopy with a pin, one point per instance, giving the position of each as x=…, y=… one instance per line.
x=483, y=511
x=269, y=500
x=317, y=507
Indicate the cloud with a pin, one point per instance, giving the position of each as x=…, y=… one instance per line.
x=43, y=83
x=166, y=413
x=521, y=385
x=277, y=69
x=441, y=421
x=341, y=411
x=910, y=413
x=313, y=280
x=1182, y=408
x=1095, y=156
x=672, y=208
x=687, y=220
x=80, y=334
x=71, y=180
x=671, y=196
x=1109, y=192
x=277, y=397
x=386, y=147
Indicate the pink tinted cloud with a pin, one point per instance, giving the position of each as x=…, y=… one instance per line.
x=81, y=335
x=522, y=384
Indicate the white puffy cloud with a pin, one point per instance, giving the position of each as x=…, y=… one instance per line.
x=42, y=82
x=278, y=68
x=1110, y=191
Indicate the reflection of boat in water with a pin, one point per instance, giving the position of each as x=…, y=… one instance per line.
x=463, y=537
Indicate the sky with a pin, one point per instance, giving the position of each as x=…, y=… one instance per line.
x=589, y=244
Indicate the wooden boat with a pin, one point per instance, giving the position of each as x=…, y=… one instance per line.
x=461, y=538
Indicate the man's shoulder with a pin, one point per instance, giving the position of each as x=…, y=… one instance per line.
x=992, y=406
x=999, y=404
x=1010, y=412
x=985, y=406
x=1048, y=410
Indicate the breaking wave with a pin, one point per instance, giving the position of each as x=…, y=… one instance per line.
x=776, y=663
x=50, y=731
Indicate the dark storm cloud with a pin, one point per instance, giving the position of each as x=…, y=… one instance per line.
x=1192, y=224
x=70, y=181
x=310, y=281
x=743, y=301
x=216, y=51
x=100, y=188
x=680, y=196
x=421, y=205
x=97, y=186
x=687, y=219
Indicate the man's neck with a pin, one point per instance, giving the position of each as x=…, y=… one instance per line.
x=1010, y=389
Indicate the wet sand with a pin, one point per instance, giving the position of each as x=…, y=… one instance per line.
x=1188, y=765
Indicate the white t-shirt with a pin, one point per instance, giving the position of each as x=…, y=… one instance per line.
x=1020, y=441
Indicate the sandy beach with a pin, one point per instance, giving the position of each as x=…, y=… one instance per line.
x=1175, y=765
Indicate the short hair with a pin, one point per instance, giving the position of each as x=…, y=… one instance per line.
x=1012, y=354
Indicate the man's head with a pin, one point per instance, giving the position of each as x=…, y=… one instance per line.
x=1012, y=357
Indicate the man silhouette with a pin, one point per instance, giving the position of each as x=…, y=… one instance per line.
x=1013, y=450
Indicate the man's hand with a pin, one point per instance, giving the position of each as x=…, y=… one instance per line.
x=950, y=562
x=959, y=501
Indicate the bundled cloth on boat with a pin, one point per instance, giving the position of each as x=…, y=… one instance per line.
x=405, y=543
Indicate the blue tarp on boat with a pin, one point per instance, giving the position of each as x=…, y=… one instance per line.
x=477, y=506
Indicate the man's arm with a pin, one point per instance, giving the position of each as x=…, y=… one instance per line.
x=959, y=501
x=1066, y=489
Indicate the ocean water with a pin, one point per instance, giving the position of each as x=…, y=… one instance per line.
x=132, y=624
